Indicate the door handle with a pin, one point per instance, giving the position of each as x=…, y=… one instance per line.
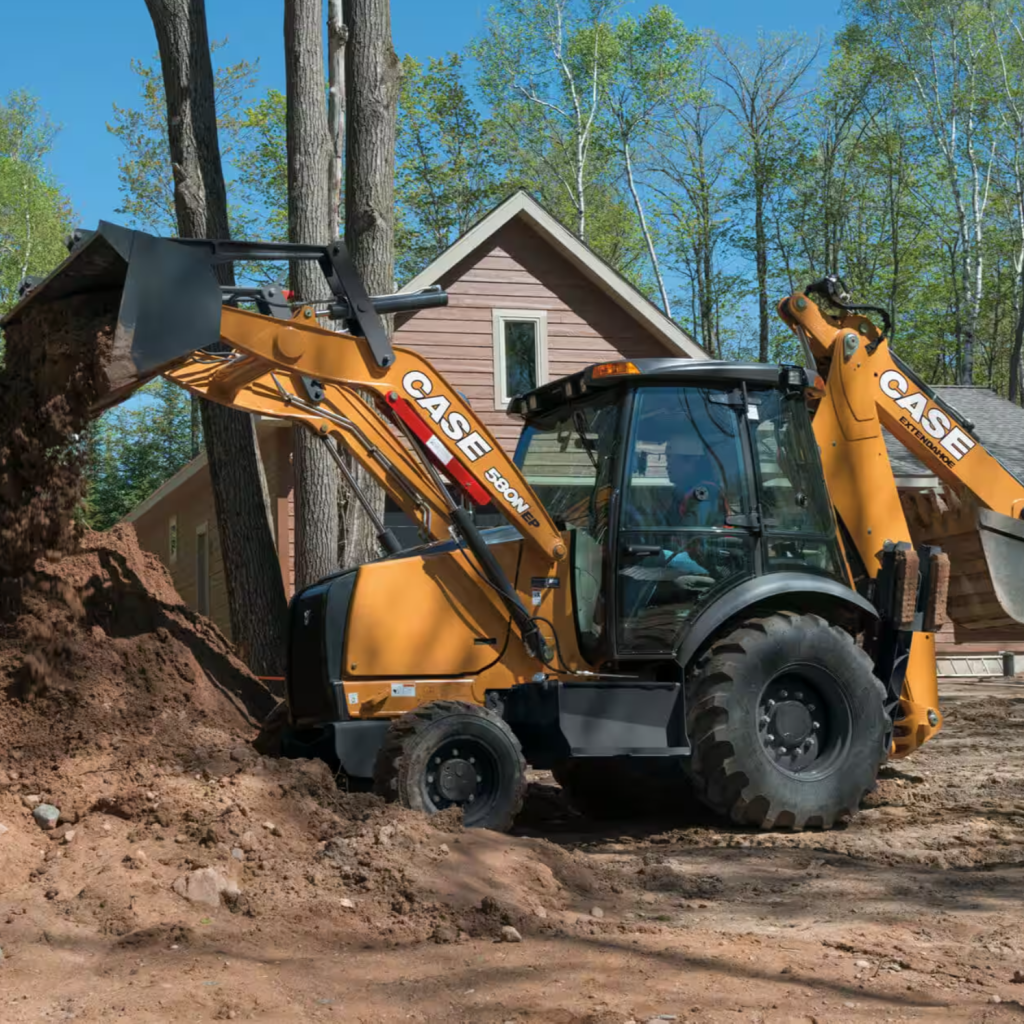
x=642, y=549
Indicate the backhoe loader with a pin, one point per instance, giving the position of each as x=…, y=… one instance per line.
x=706, y=578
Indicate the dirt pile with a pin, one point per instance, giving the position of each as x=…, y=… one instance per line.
x=53, y=371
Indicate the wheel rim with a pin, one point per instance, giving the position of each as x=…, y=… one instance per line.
x=462, y=772
x=804, y=722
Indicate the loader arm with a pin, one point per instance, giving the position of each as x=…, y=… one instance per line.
x=161, y=310
x=863, y=387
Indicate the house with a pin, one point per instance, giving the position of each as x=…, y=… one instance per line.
x=528, y=302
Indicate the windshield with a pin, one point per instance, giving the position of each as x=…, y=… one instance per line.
x=568, y=458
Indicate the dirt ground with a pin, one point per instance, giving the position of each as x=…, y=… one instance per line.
x=129, y=714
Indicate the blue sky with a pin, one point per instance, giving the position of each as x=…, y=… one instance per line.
x=74, y=55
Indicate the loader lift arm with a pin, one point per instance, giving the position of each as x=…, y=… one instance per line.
x=861, y=388
x=397, y=415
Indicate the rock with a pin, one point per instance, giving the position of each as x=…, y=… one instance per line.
x=596, y=912
x=995, y=999
x=346, y=903
x=862, y=964
x=46, y=816
x=3, y=828
x=52, y=894
x=540, y=912
x=271, y=828
x=242, y=754
x=247, y=842
x=1017, y=979
x=509, y=934
x=443, y=849
x=204, y=885
x=179, y=838
x=31, y=800
x=445, y=934
x=238, y=853
x=68, y=836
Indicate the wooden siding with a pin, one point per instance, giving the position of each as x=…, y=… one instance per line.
x=192, y=503
x=516, y=269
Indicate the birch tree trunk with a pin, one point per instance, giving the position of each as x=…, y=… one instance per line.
x=337, y=37
x=256, y=599
x=310, y=158
x=372, y=78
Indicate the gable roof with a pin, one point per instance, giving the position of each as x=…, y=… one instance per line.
x=522, y=205
x=998, y=424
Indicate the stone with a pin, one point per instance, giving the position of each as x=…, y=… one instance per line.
x=46, y=816
x=596, y=912
x=509, y=934
x=862, y=964
x=3, y=828
x=31, y=800
x=247, y=842
x=1017, y=979
x=995, y=999
x=238, y=853
x=204, y=885
x=68, y=836
x=271, y=828
x=443, y=849
x=346, y=903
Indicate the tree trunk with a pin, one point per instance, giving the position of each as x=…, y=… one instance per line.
x=309, y=168
x=337, y=37
x=761, y=261
x=256, y=599
x=372, y=77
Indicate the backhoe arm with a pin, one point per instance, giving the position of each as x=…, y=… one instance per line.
x=863, y=387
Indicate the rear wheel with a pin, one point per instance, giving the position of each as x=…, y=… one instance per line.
x=787, y=723
x=452, y=754
x=622, y=787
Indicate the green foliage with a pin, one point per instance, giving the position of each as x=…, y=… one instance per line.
x=145, y=177
x=261, y=163
x=446, y=175
x=134, y=448
x=35, y=215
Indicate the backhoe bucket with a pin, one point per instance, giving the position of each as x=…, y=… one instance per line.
x=125, y=304
x=986, y=553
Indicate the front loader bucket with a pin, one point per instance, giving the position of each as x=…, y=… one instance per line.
x=986, y=554
x=129, y=303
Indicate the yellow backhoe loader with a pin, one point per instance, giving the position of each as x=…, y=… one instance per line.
x=706, y=577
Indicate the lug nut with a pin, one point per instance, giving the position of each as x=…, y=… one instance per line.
x=472, y=760
x=765, y=720
x=437, y=760
x=771, y=704
x=430, y=778
x=816, y=725
x=784, y=693
x=771, y=738
x=455, y=753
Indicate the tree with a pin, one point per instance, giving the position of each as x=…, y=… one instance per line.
x=133, y=449
x=446, y=175
x=310, y=153
x=650, y=73
x=256, y=599
x=761, y=85
x=372, y=81
x=35, y=216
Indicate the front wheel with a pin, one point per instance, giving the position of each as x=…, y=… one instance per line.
x=787, y=723
x=453, y=754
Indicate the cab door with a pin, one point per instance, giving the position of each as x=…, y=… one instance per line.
x=684, y=532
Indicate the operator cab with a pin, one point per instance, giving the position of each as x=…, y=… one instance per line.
x=679, y=480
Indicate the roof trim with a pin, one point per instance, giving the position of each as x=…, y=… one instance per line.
x=167, y=487
x=521, y=204
x=189, y=470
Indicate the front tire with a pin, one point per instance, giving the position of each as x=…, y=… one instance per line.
x=453, y=754
x=787, y=723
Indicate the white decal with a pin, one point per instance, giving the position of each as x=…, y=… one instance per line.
x=455, y=425
x=954, y=443
x=353, y=698
x=402, y=690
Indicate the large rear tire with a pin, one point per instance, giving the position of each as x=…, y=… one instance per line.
x=787, y=723
x=618, y=788
x=452, y=754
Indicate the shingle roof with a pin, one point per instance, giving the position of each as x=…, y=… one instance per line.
x=998, y=425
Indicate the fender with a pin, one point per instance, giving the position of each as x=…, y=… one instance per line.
x=761, y=590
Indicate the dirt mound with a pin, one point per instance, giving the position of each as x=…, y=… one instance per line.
x=53, y=370
x=105, y=655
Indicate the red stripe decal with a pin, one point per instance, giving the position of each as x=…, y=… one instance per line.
x=453, y=468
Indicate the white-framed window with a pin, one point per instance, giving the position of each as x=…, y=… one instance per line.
x=202, y=569
x=520, y=352
x=172, y=540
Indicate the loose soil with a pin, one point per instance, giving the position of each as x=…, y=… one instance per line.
x=132, y=715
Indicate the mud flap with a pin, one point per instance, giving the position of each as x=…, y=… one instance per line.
x=157, y=301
